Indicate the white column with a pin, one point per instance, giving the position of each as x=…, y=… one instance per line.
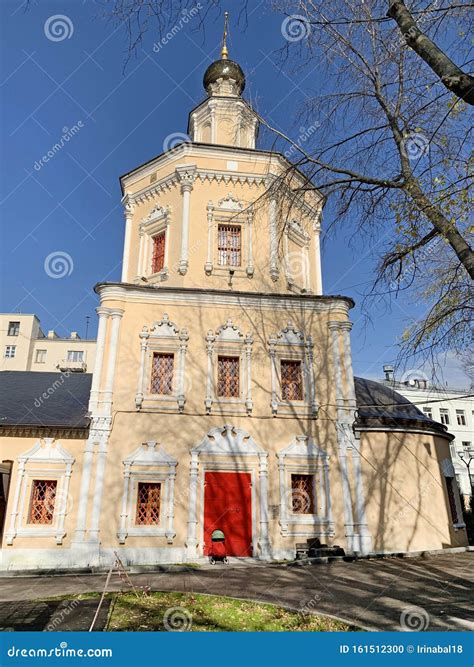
x=263, y=479
x=349, y=376
x=248, y=358
x=11, y=534
x=283, y=497
x=250, y=268
x=310, y=374
x=128, y=236
x=170, y=534
x=210, y=234
x=62, y=508
x=272, y=212
x=122, y=534
x=116, y=316
x=98, y=489
x=327, y=494
x=186, y=175
x=183, y=345
x=318, y=287
x=273, y=361
x=191, y=542
x=144, y=335
x=336, y=359
x=87, y=459
x=210, y=338
x=141, y=252
x=103, y=314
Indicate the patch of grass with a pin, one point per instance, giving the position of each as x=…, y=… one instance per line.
x=197, y=613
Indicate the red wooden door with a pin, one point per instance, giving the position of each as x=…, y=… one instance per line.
x=228, y=507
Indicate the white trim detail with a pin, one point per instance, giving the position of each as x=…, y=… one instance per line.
x=164, y=336
x=150, y=462
x=303, y=456
x=47, y=459
x=292, y=344
x=156, y=222
x=229, y=340
x=229, y=448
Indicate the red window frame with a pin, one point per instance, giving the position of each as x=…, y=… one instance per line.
x=158, y=256
x=148, y=504
x=42, y=501
x=229, y=245
x=291, y=380
x=228, y=376
x=162, y=373
x=302, y=494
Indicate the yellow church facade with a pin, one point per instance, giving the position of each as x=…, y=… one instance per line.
x=222, y=396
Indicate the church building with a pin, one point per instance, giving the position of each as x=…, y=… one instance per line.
x=222, y=395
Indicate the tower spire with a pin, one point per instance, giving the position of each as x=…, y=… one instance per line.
x=224, y=51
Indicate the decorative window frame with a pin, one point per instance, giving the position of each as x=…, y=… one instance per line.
x=296, y=263
x=302, y=456
x=150, y=462
x=228, y=340
x=157, y=221
x=164, y=336
x=448, y=470
x=291, y=344
x=230, y=211
x=47, y=460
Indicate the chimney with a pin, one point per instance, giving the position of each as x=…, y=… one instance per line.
x=74, y=335
x=388, y=370
x=52, y=334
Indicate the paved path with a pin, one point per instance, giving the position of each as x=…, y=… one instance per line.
x=434, y=593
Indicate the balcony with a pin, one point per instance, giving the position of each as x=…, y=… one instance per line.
x=66, y=365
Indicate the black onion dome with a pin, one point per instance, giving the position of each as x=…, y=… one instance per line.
x=224, y=69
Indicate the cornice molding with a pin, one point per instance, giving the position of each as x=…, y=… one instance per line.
x=126, y=292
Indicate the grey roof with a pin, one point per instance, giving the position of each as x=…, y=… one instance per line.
x=378, y=404
x=59, y=400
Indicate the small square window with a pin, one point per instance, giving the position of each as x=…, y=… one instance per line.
x=43, y=496
x=444, y=416
x=428, y=412
x=10, y=351
x=162, y=373
x=148, y=504
x=302, y=494
x=291, y=381
x=461, y=418
x=13, y=328
x=229, y=245
x=228, y=382
x=40, y=356
x=158, y=256
x=466, y=445
x=75, y=355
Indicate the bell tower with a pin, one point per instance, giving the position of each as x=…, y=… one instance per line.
x=224, y=118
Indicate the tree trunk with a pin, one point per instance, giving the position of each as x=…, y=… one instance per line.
x=451, y=76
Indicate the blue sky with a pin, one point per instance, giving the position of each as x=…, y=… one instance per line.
x=122, y=116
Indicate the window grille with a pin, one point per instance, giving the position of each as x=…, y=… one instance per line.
x=148, y=503
x=291, y=381
x=43, y=495
x=162, y=373
x=228, y=382
x=302, y=494
x=158, y=258
x=229, y=245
